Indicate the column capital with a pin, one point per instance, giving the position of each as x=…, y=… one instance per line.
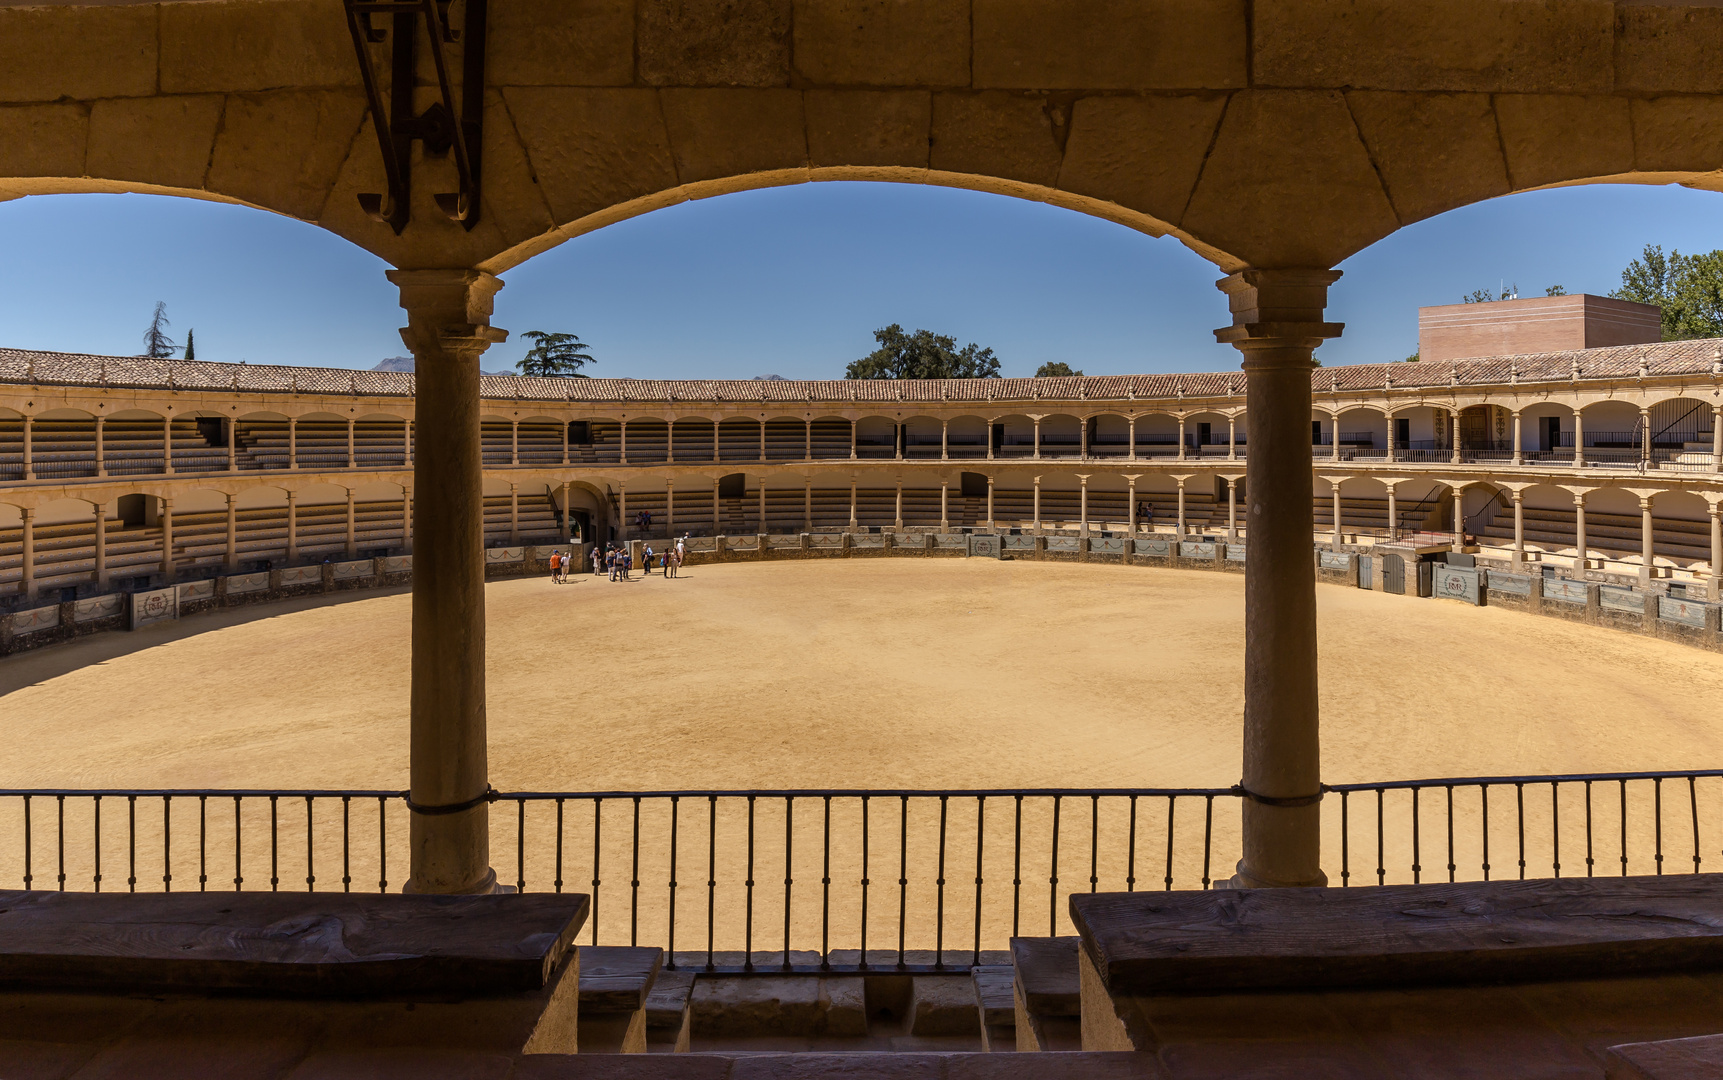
x=1278, y=308
x=448, y=308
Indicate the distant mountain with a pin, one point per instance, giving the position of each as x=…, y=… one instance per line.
x=405, y=363
x=768, y=378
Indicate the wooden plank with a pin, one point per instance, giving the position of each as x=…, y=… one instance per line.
x=285, y=944
x=1401, y=935
x=616, y=979
x=1046, y=970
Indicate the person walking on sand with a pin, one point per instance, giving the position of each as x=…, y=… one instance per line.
x=597, y=561
x=647, y=558
x=556, y=568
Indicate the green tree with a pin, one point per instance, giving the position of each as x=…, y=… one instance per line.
x=1053, y=368
x=922, y=355
x=561, y=355
x=1413, y=359
x=1555, y=290
x=157, y=344
x=190, y=345
x=1689, y=289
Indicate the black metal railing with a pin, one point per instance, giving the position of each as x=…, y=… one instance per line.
x=818, y=879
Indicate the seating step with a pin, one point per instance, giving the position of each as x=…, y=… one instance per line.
x=1048, y=993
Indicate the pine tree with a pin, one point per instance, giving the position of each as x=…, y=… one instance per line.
x=157, y=344
x=190, y=348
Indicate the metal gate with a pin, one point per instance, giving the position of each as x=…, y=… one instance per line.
x=1393, y=574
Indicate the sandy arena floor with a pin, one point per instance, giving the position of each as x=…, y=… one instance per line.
x=893, y=674
x=852, y=674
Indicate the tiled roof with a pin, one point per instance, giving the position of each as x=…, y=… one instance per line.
x=1704, y=357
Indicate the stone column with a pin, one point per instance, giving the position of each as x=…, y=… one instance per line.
x=1519, y=528
x=1232, y=438
x=716, y=527
x=1232, y=508
x=167, y=539
x=990, y=438
x=1646, y=551
x=622, y=448
x=898, y=524
x=807, y=504
x=1131, y=434
x=564, y=426
x=406, y=519
x=293, y=442
x=944, y=496
x=27, y=567
x=1645, y=434
x=669, y=504
x=762, y=439
x=1335, y=486
x=448, y=327
x=1277, y=324
x=1082, y=506
x=1334, y=449
x=1579, y=533
x=1459, y=517
x=852, y=442
x=100, y=514
x=514, y=515
x=352, y=530
x=763, y=528
x=1716, y=512
x=622, y=509
x=897, y=439
x=852, y=492
x=1717, y=438
x=101, y=458
x=350, y=456
x=1037, y=438
x=292, y=525
x=407, y=440
x=167, y=445
x=717, y=445
x=1519, y=450
x=232, y=534
x=1131, y=512
x=808, y=440
x=1037, y=521
x=944, y=440
x=1393, y=518
x=232, y=425
x=1181, y=438
x=1454, y=436
x=1083, y=437
x=1390, y=418
x=1578, y=438
x=514, y=443
x=1179, y=529
x=990, y=495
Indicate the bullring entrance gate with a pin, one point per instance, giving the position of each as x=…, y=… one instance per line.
x=1274, y=138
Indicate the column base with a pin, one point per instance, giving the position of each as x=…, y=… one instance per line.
x=1244, y=879
x=487, y=886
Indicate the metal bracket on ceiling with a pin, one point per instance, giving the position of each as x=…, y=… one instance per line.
x=441, y=128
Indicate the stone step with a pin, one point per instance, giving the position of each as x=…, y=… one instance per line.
x=615, y=982
x=1114, y=1065
x=1048, y=993
x=997, y=1003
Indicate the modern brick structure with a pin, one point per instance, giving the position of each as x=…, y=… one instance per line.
x=1540, y=324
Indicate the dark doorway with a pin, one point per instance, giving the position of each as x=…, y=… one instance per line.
x=974, y=485
x=1394, y=574
x=998, y=436
x=733, y=486
x=132, y=510
x=1203, y=438
x=1549, y=433
x=1402, y=432
x=213, y=429
x=580, y=432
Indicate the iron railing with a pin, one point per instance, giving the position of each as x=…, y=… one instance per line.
x=817, y=879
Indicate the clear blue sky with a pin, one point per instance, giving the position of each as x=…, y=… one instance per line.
x=789, y=281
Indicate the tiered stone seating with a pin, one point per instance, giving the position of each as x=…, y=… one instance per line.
x=61, y=449
x=1616, y=534
x=539, y=521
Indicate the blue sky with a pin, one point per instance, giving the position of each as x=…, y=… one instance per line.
x=789, y=281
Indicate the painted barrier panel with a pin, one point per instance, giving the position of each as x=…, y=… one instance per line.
x=505, y=554
x=1061, y=543
x=1196, y=549
x=867, y=540
x=741, y=543
x=397, y=564
x=346, y=571
x=1509, y=584
x=1161, y=548
x=156, y=606
x=42, y=618
x=1017, y=543
x=301, y=575
x=701, y=543
x=1335, y=560
x=951, y=541
x=782, y=542
x=1685, y=612
x=197, y=590
x=826, y=540
x=1455, y=583
x=985, y=546
x=244, y=583
x=1235, y=553
x=97, y=607
x=1108, y=545
x=1564, y=589
x=1616, y=599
